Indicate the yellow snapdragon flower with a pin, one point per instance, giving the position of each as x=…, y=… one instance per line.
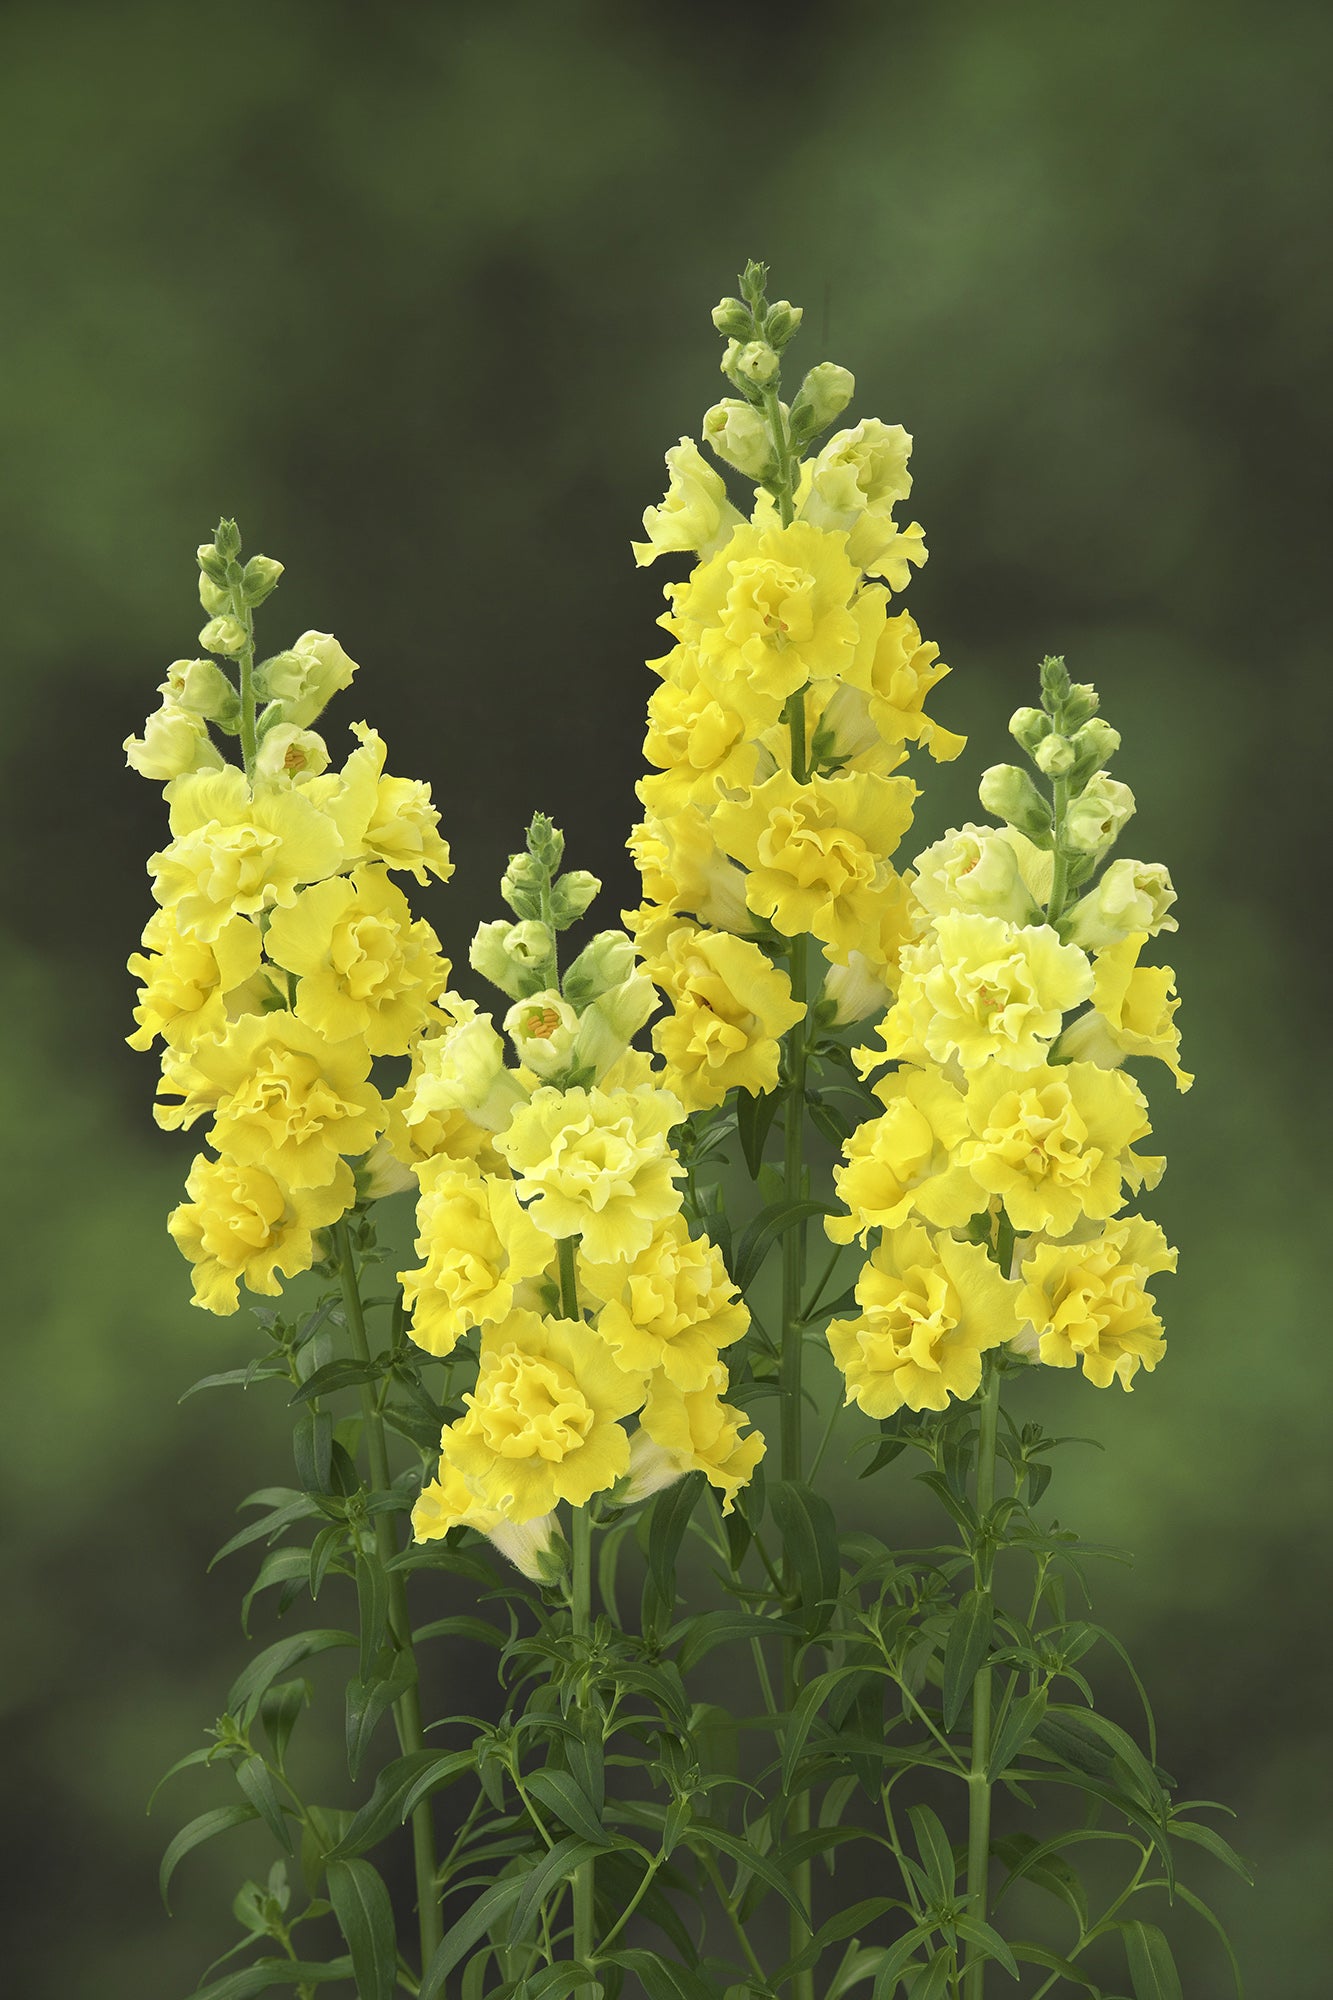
x=683, y=868
x=930, y=1307
x=241, y=1226
x=695, y=1431
x=187, y=983
x=597, y=1164
x=449, y=1502
x=695, y=513
x=480, y=1247
x=543, y=1424
x=816, y=852
x=979, y=988
x=282, y=1097
x=670, y=1308
x=897, y=1162
x=854, y=485
x=233, y=853
x=1054, y=1144
x=974, y=869
x=1088, y=1303
x=730, y=1003
x=382, y=818
x=462, y=1069
x=175, y=740
x=366, y=968
x=771, y=608
x=1133, y=1012
x=697, y=741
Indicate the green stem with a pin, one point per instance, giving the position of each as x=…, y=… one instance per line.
x=1060, y=860
x=407, y=1708
x=580, y=1606
x=978, y=1781
x=245, y=660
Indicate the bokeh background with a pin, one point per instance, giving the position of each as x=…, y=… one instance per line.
x=420, y=293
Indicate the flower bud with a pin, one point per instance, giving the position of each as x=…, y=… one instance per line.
x=606, y=961
x=1054, y=756
x=514, y=957
x=822, y=397
x=211, y=561
x=1095, y=818
x=227, y=540
x=545, y=843
x=651, y=1467
x=1081, y=701
x=610, y=1024
x=542, y=1029
x=754, y=362
x=536, y=1548
x=859, y=471
x=1009, y=793
x=1094, y=745
x=223, y=635
x=740, y=436
x=382, y=1173
x=306, y=677
x=1028, y=726
x=286, y=752
x=781, y=322
x=733, y=318
x=174, y=741
x=854, y=991
x=1131, y=896
x=259, y=578
x=214, y=597
x=522, y=884
x=975, y=869
x=571, y=895
x=203, y=688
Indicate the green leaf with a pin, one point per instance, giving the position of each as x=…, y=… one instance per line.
x=720, y=1628
x=195, y=1834
x=1086, y=1741
x=278, y=1566
x=1152, y=1969
x=182, y=1764
x=1037, y=1954
x=369, y=1701
x=769, y=1224
x=252, y=1682
x=988, y=1939
x=859, y=1963
x=809, y=1532
x=256, y=1781
x=660, y=1978
x=372, y=1600
x=1030, y=1860
x=1017, y=1727
x=563, y=1861
x=1212, y=1843
x=936, y=1981
x=273, y=1972
x=558, y=1791
x=471, y=1927
x=896, y=1960
x=750, y=1859
x=399, y=1787
x=844, y=1925
x=936, y=1851
x=279, y=1711
x=966, y=1648
x=268, y=1526
x=460, y=1628
x=667, y=1521
x=754, y=1122
x=235, y=1378
x=335, y=1375
x=1210, y=1917
x=312, y=1450
x=365, y=1918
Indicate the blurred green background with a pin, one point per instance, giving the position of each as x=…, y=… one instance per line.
x=420, y=293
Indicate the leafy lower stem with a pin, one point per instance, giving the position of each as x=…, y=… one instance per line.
x=407, y=1708
x=978, y=1777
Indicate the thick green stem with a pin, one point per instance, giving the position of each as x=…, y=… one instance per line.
x=580, y=1607
x=1060, y=860
x=978, y=1781
x=407, y=1708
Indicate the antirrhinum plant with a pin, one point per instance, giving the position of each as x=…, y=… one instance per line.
x=616, y=1306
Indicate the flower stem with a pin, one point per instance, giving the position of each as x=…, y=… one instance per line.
x=407, y=1708
x=580, y=1608
x=978, y=1781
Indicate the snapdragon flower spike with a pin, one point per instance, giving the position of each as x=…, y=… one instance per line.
x=1009, y=1118
x=283, y=958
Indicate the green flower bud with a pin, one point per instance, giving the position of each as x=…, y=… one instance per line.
x=822, y=397
x=571, y=895
x=545, y=843
x=1094, y=745
x=227, y=540
x=781, y=322
x=223, y=635
x=1054, y=756
x=1131, y=896
x=1009, y=793
x=1054, y=682
x=1028, y=726
x=1095, y=818
x=259, y=578
x=215, y=597
x=514, y=957
x=607, y=961
x=755, y=362
x=739, y=436
x=211, y=561
x=732, y=318
x=1081, y=702
x=203, y=688
x=854, y=991
x=610, y=1024
x=306, y=677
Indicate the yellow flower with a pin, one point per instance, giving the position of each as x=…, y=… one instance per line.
x=479, y=1248
x=596, y=1164
x=543, y=1422
x=1133, y=1012
x=241, y=1225
x=670, y=1308
x=449, y=1502
x=697, y=741
x=854, y=485
x=974, y=868
x=383, y=819
x=683, y=868
x=175, y=740
x=698, y=1432
x=770, y=609
x=282, y=1097
x=365, y=967
x=233, y=853
x=929, y=1309
x=1054, y=1144
x=463, y=1068
x=447, y=1131
x=817, y=852
x=186, y=983
x=897, y=668
x=894, y=1162
x=979, y=988
x=730, y=1003
x=1087, y=1302
x=695, y=514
